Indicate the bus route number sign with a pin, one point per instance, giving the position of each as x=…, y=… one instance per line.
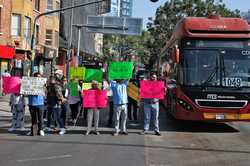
x=232, y=82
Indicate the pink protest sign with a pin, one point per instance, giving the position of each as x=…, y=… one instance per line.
x=94, y=98
x=152, y=89
x=11, y=85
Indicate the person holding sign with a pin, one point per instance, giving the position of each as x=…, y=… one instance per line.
x=36, y=107
x=120, y=99
x=151, y=110
x=92, y=111
x=74, y=99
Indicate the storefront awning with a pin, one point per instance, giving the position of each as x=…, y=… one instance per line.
x=6, y=52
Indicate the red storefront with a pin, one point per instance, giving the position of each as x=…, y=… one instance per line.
x=6, y=55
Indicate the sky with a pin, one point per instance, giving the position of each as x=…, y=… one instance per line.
x=145, y=8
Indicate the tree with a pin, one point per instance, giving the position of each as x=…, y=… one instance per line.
x=126, y=45
x=172, y=11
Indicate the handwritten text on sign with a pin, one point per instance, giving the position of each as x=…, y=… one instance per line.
x=120, y=70
x=11, y=85
x=152, y=89
x=33, y=86
x=94, y=98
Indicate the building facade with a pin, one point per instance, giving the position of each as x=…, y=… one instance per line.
x=89, y=42
x=121, y=8
x=126, y=8
x=16, y=27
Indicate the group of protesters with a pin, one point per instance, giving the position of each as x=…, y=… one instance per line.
x=59, y=102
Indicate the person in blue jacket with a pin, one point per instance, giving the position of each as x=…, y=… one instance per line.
x=36, y=107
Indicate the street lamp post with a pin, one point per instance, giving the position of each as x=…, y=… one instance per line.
x=48, y=13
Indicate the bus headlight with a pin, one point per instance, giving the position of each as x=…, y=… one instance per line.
x=185, y=105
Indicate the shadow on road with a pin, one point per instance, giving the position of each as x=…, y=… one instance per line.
x=168, y=123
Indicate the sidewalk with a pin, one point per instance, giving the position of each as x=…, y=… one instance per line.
x=4, y=106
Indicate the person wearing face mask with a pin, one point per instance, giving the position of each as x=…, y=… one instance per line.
x=151, y=110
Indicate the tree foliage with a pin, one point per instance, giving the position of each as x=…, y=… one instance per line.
x=172, y=11
x=124, y=46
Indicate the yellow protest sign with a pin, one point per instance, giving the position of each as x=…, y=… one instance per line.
x=87, y=86
x=133, y=92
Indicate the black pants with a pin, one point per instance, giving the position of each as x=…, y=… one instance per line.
x=74, y=110
x=132, y=104
x=111, y=113
x=36, y=113
x=65, y=109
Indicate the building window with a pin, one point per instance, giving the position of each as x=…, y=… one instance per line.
x=27, y=29
x=37, y=5
x=56, y=39
x=49, y=4
x=15, y=25
x=49, y=37
x=37, y=34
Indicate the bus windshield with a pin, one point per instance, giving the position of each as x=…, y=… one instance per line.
x=216, y=68
x=198, y=64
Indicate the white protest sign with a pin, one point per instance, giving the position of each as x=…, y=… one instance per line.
x=33, y=86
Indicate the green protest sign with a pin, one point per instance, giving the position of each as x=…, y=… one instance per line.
x=120, y=70
x=93, y=74
x=73, y=89
x=77, y=73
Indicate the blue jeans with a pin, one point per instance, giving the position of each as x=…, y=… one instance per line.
x=151, y=110
x=57, y=110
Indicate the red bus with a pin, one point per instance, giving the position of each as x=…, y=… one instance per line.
x=207, y=64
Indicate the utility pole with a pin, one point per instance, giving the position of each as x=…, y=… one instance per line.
x=69, y=50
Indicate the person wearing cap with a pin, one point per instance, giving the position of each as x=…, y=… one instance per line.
x=151, y=110
x=120, y=99
x=93, y=111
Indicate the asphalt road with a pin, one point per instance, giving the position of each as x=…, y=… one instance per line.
x=181, y=144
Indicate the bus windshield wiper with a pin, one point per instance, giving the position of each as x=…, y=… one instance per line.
x=210, y=77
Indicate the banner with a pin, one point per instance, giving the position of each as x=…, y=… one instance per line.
x=133, y=92
x=73, y=88
x=93, y=74
x=120, y=70
x=77, y=73
x=87, y=86
x=152, y=89
x=33, y=86
x=11, y=85
x=95, y=98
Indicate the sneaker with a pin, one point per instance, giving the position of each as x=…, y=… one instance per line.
x=115, y=134
x=11, y=129
x=41, y=132
x=97, y=133
x=124, y=133
x=144, y=132
x=157, y=133
x=87, y=132
x=62, y=131
x=22, y=129
x=74, y=121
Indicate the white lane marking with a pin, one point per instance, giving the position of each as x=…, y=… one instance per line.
x=45, y=158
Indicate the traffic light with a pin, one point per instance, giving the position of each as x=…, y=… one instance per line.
x=153, y=0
